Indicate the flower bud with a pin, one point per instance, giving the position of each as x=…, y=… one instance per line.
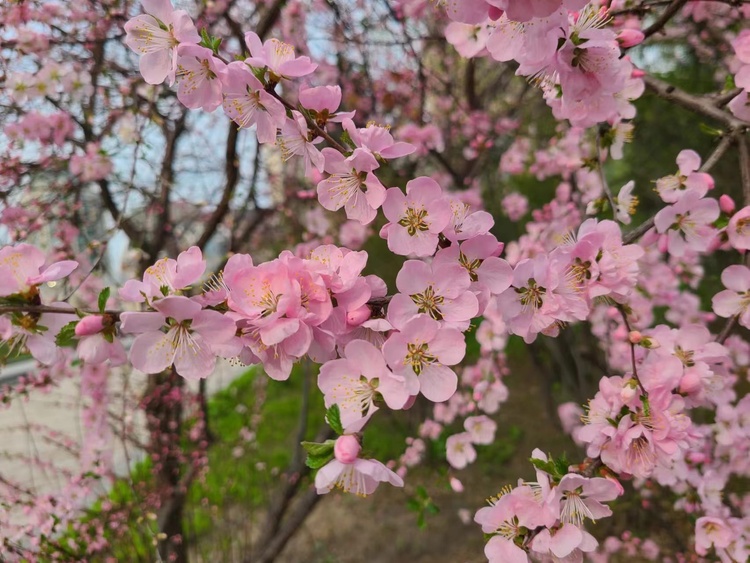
x=727, y=204
x=358, y=316
x=635, y=337
x=457, y=485
x=347, y=448
x=627, y=393
x=630, y=38
x=90, y=325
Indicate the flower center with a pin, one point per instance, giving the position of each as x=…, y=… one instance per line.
x=418, y=356
x=428, y=302
x=414, y=221
x=532, y=295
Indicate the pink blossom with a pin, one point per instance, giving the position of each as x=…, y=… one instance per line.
x=459, y=450
x=481, y=429
x=352, y=185
x=377, y=140
x=421, y=353
x=22, y=268
x=439, y=290
x=247, y=103
x=295, y=139
x=166, y=277
x=358, y=381
x=738, y=229
x=688, y=223
x=416, y=218
x=278, y=57
x=515, y=206
x=156, y=35
x=323, y=102
x=193, y=337
x=352, y=474
x=199, y=77
x=688, y=179
x=94, y=165
x=735, y=300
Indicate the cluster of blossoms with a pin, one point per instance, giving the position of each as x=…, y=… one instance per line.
x=378, y=350
x=568, y=53
x=546, y=518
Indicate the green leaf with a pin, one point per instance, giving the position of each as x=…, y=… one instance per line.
x=316, y=449
x=66, y=336
x=316, y=462
x=318, y=454
x=103, y=297
x=561, y=465
x=333, y=418
x=546, y=466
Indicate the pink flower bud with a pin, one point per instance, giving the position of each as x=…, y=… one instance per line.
x=635, y=337
x=627, y=393
x=347, y=448
x=727, y=204
x=90, y=325
x=457, y=485
x=637, y=73
x=690, y=382
x=630, y=38
x=358, y=316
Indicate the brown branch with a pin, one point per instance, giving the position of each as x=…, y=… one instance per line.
x=663, y=20
x=232, y=171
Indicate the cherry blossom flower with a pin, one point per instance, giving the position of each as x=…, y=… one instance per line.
x=459, y=450
x=738, y=229
x=688, y=223
x=278, y=57
x=416, y=219
x=348, y=472
x=247, y=103
x=352, y=185
x=439, y=291
x=357, y=381
x=295, y=139
x=735, y=300
x=156, y=35
x=193, y=338
x=22, y=269
x=421, y=353
x=199, y=77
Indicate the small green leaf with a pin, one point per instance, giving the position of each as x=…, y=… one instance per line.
x=316, y=449
x=546, y=466
x=103, y=297
x=66, y=336
x=333, y=418
x=316, y=462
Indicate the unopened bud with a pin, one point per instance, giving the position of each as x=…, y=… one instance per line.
x=347, y=448
x=90, y=325
x=635, y=337
x=630, y=38
x=727, y=204
x=358, y=316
